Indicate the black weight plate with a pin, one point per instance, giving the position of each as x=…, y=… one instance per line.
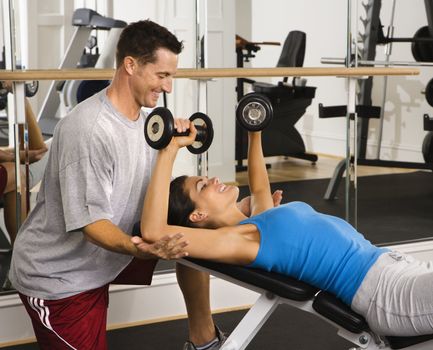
x=422, y=51
x=204, y=140
x=31, y=88
x=429, y=92
x=254, y=112
x=427, y=147
x=159, y=128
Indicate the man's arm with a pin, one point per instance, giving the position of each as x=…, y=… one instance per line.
x=109, y=236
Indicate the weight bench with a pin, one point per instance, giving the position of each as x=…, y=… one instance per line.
x=275, y=289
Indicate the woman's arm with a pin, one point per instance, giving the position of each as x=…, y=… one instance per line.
x=224, y=245
x=261, y=197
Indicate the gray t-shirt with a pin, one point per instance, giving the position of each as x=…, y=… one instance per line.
x=98, y=168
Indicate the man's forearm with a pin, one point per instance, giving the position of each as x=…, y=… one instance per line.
x=109, y=236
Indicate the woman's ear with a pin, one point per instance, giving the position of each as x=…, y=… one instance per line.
x=197, y=216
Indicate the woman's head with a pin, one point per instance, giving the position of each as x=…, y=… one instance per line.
x=180, y=204
x=197, y=201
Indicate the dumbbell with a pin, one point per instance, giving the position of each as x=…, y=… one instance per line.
x=30, y=88
x=254, y=112
x=159, y=129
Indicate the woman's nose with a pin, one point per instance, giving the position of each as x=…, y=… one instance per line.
x=215, y=180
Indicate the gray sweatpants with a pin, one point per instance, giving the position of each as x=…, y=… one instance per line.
x=396, y=296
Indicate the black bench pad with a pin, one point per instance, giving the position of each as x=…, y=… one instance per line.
x=333, y=308
x=404, y=342
x=275, y=283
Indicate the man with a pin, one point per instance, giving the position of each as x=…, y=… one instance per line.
x=77, y=238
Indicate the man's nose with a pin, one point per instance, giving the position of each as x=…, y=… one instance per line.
x=167, y=84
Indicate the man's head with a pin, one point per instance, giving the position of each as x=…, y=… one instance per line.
x=142, y=39
x=148, y=54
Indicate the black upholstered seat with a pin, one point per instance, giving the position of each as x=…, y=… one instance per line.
x=275, y=283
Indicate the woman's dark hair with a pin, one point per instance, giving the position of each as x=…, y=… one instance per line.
x=180, y=204
x=141, y=40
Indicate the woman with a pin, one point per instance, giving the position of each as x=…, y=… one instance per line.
x=36, y=151
x=392, y=291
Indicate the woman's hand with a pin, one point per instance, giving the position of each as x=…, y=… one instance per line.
x=33, y=154
x=183, y=125
x=244, y=205
x=168, y=247
x=8, y=155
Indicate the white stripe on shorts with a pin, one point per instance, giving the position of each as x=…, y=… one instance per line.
x=44, y=315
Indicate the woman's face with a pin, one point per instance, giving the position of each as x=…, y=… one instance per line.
x=211, y=194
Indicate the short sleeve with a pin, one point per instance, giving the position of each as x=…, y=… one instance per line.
x=86, y=188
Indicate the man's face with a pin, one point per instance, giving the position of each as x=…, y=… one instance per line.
x=151, y=79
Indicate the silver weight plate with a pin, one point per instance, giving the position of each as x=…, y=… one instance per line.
x=155, y=128
x=199, y=122
x=254, y=113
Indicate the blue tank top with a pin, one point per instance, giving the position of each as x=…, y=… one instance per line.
x=322, y=250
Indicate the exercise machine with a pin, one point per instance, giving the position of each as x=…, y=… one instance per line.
x=65, y=95
x=289, y=101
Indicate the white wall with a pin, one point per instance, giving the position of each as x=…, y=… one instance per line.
x=325, y=25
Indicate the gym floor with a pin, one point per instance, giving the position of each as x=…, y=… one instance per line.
x=290, y=169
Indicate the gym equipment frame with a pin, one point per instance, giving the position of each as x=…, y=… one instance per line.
x=371, y=38
x=275, y=289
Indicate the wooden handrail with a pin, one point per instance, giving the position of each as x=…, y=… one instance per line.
x=207, y=73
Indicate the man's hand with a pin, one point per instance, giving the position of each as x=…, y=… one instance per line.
x=245, y=204
x=168, y=248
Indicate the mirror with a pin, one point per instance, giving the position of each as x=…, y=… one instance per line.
x=394, y=204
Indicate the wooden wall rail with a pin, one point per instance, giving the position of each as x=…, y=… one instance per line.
x=208, y=73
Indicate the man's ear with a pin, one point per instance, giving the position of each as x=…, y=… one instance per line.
x=130, y=64
x=197, y=216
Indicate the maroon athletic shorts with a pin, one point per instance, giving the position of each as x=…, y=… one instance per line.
x=76, y=322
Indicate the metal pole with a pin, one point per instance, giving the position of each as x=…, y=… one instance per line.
x=201, y=62
x=388, y=51
x=341, y=61
x=16, y=109
x=351, y=176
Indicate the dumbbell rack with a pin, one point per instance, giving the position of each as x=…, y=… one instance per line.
x=368, y=52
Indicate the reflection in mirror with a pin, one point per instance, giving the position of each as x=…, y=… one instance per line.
x=302, y=145
x=390, y=113
x=21, y=139
x=395, y=207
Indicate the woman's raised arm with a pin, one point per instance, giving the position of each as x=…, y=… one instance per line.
x=261, y=197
